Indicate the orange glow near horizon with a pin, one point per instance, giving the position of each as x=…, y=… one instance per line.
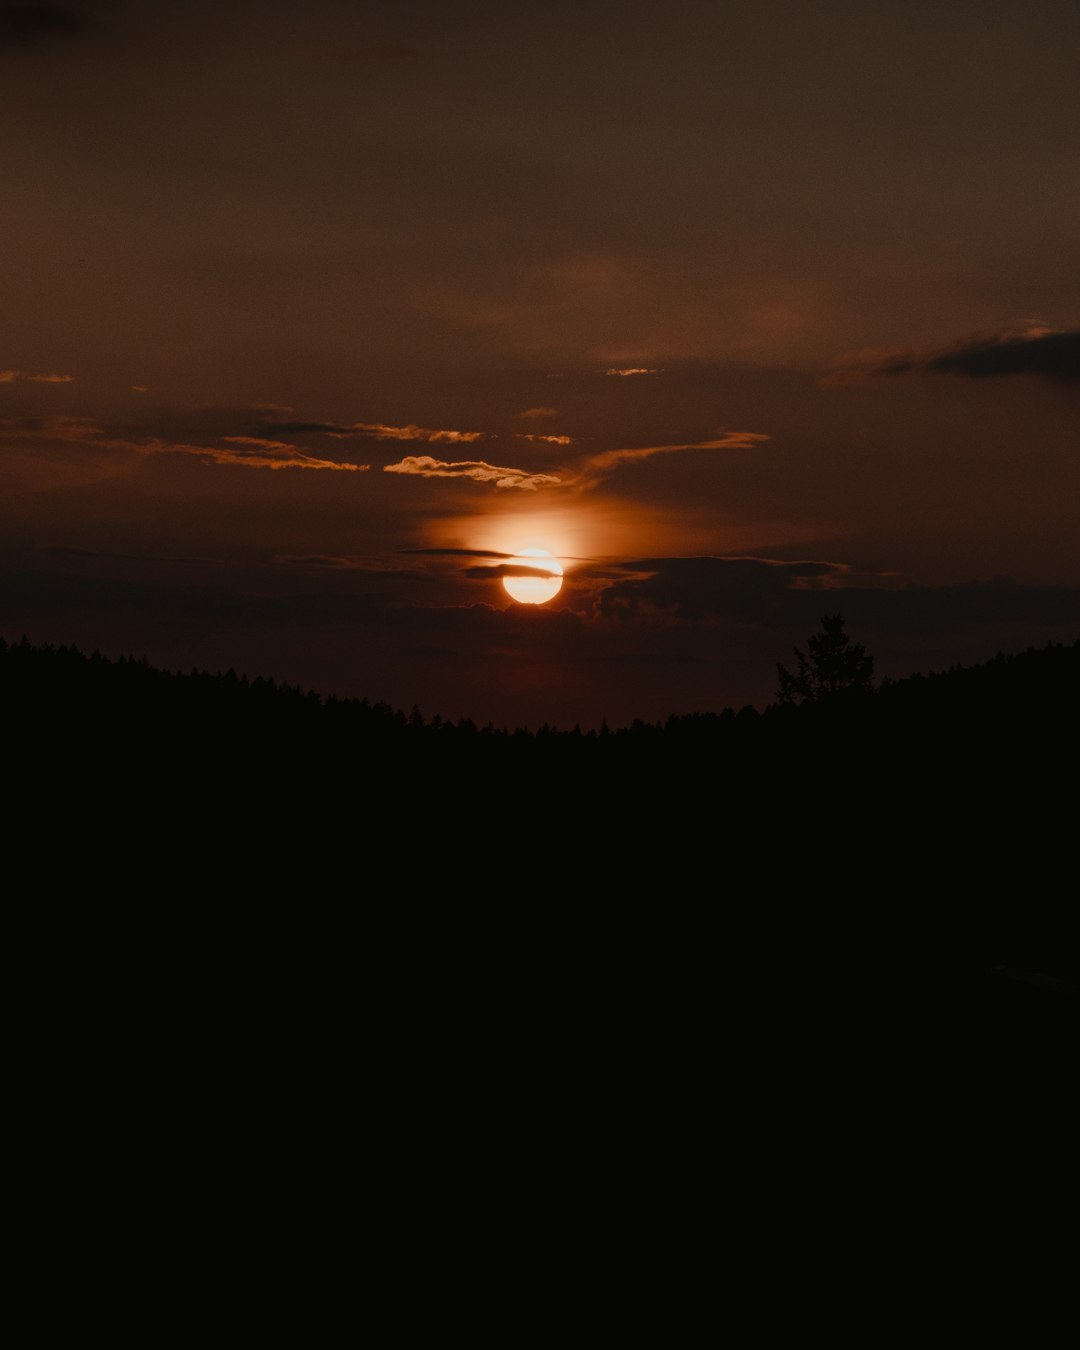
x=571, y=530
x=556, y=533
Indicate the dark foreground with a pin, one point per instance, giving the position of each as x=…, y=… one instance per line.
x=764, y=1020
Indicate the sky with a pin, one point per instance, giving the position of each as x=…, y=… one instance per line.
x=313, y=316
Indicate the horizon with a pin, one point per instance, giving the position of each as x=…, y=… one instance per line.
x=429, y=716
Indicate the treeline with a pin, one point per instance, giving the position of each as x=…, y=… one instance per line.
x=63, y=685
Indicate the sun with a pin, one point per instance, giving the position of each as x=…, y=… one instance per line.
x=535, y=590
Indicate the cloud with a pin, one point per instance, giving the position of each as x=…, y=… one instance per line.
x=607, y=460
x=631, y=370
x=254, y=443
x=536, y=413
x=379, y=431
x=251, y=452
x=10, y=376
x=709, y=587
x=25, y=25
x=458, y=552
x=320, y=561
x=424, y=466
x=1055, y=356
x=780, y=597
x=415, y=433
x=1033, y=350
x=581, y=475
x=60, y=427
x=587, y=473
x=299, y=428
x=496, y=573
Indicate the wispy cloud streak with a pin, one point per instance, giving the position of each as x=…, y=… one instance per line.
x=250, y=452
x=379, y=431
x=424, y=466
x=10, y=377
x=586, y=473
x=598, y=466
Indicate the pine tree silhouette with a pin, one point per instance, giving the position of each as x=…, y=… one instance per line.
x=835, y=665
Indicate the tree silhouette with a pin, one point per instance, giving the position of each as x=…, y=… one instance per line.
x=835, y=665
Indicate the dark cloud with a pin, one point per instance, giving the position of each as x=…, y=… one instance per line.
x=1053, y=355
x=32, y=25
x=458, y=552
x=700, y=588
x=1032, y=351
x=297, y=428
x=496, y=573
x=777, y=595
x=316, y=560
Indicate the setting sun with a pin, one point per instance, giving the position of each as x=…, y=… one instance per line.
x=535, y=590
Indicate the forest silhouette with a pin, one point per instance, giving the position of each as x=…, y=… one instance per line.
x=832, y=693
x=914, y=836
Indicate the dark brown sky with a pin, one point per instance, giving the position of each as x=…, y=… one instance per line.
x=252, y=255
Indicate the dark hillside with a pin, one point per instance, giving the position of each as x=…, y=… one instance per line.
x=937, y=814
x=1036, y=690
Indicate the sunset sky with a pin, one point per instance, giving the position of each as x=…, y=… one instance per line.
x=313, y=315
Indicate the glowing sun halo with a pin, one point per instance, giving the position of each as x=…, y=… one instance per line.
x=535, y=590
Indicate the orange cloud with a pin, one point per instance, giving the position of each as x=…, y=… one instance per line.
x=607, y=460
x=414, y=433
x=424, y=466
x=10, y=376
x=534, y=413
x=631, y=370
x=551, y=440
x=586, y=474
x=251, y=452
